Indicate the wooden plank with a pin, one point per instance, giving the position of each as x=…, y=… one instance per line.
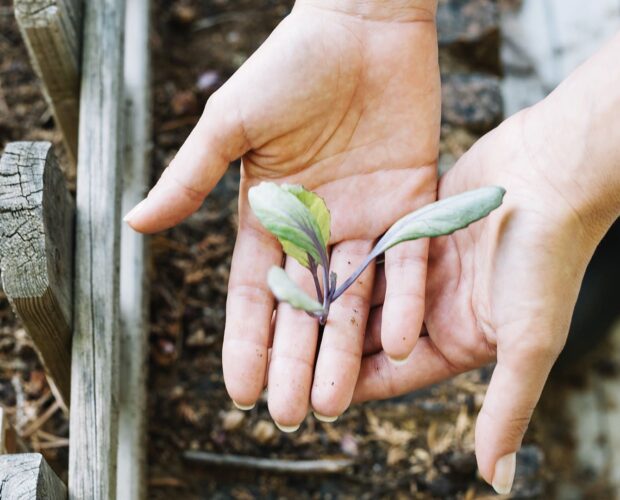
x=36, y=252
x=95, y=366
x=134, y=279
x=28, y=477
x=52, y=31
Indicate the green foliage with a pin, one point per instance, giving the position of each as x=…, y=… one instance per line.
x=301, y=222
x=286, y=290
x=442, y=217
x=298, y=218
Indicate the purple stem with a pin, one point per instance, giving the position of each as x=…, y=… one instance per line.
x=315, y=277
x=351, y=279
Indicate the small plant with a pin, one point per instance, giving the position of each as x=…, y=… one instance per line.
x=301, y=221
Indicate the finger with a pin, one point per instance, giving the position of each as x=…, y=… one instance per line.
x=217, y=139
x=380, y=379
x=372, y=337
x=249, y=310
x=378, y=290
x=403, y=307
x=340, y=352
x=515, y=388
x=292, y=357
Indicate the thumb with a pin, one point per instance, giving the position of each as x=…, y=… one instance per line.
x=514, y=391
x=217, y=139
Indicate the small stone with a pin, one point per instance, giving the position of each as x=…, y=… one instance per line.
x=232, y=420
x=264, y=432
x=208, y=80
x=348, y=445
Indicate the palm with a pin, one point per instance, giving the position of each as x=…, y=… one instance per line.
x=332, y=100
x=499, y=280
x=348, y=106
x=352, y=114
x=501, y=290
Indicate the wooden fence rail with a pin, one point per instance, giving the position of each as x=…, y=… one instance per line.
x=52, y=32
x=28, y=477
x=107, y=336
x=134, y=294
x=36, y=252
x=93, y=424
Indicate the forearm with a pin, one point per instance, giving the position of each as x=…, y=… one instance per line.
x=580, y=137
x=379, y=10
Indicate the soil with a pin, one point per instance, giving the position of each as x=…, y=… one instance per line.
x=418, y=446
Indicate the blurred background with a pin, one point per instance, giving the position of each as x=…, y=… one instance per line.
x=496, y=57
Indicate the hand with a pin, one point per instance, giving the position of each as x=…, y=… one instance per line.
x=501, y=290
x=346, y=102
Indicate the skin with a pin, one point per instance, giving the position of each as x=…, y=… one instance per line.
x=504, y=289
x=343, y=98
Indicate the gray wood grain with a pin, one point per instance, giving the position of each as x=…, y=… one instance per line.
x=95, y=366
x=134, y=279
x=28, y=477
x=36, y=252
x=52, y=31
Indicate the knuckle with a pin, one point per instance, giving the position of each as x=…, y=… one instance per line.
x=255, y=294
x=511, y=428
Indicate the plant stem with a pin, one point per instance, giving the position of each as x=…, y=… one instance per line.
x=351, y=279
x=315, y=277
x=327, y=292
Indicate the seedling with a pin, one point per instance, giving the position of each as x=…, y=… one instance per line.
x=301, y=221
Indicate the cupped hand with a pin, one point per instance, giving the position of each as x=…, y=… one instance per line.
x=345, y=102
x=501, y=290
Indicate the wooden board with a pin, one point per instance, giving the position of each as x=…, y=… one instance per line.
x=28, y=477
x=36, y=252
x=52, y=31
x=95, y=363
x=134, y=279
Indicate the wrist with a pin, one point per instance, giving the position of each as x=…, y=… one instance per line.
x=574, y=135
x=379, y=10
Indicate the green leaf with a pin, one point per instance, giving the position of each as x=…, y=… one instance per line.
x=442, y=217
x=286, y=290
x=317, y=208
x=282, y=210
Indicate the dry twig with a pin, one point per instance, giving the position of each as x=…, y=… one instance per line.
x=326, y=466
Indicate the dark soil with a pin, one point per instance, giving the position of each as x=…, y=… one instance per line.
x=419, y=446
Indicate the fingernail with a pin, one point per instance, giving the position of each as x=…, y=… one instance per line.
x=244, y=407
x=504, y=473
x=133, y=211
x=287, y=428
x=398, y=362
x=324, y=418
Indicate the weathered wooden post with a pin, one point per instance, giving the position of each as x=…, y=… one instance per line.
x=106, y=454
x=134, y=279
x=95, y=359
x=52, y=32
x=36, y=252
x=28, y=477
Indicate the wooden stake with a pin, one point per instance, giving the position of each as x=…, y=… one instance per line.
x=36, y=252
x=52, y=31
x=95, y=363
x=134, y=279
x=28, y=476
